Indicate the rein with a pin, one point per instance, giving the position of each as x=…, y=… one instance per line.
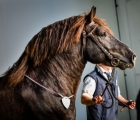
x=65, y=99
x=109, y=83
x=112, y=94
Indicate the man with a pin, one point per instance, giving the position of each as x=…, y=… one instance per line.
x=94, y=85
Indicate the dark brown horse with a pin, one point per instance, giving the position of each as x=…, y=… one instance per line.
x=51, y=67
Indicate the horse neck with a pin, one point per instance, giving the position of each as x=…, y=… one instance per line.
x=64, y=71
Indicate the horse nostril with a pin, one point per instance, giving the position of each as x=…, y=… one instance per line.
x=134, y=57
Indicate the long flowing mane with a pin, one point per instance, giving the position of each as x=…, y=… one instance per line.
x=51, y=40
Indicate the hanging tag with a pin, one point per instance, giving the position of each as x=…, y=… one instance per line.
x=66, y=102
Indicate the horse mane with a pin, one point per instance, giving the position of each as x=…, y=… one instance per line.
x=103, y=24
x=51, y=40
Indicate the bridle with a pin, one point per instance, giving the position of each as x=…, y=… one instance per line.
x=114, y=62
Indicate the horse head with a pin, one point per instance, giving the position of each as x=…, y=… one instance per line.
x=107, y=49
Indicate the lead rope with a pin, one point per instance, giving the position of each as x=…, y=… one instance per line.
x=109, y=83
x=65, y=99
x=112, y=94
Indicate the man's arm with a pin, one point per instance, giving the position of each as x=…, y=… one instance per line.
x=131, y=104
x=88, y=100
x=88, y=91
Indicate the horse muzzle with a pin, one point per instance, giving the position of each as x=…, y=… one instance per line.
x=123, y=65
x=130, y=65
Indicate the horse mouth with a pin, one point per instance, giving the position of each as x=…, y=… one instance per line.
x=124, y=65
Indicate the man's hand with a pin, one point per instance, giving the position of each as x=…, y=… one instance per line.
x=98, y=99
x=131, y=104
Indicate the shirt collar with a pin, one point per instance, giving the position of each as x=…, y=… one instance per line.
x=110, y=71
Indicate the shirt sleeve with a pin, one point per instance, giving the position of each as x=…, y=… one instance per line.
x=89, y=86
x=119, y=93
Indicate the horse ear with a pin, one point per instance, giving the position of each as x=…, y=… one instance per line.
x=92, y=14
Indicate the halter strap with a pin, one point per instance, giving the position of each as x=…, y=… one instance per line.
x=114, y=61
x=100, y=46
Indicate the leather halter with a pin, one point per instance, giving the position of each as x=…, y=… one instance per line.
x=114, y=61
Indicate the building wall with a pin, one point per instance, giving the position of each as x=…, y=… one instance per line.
x=129, y=20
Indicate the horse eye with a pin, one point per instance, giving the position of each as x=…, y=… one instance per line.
x=103, y=34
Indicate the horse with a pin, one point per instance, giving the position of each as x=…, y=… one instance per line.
x=42, y=84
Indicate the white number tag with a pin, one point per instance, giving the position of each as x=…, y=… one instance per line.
x=66, y=102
